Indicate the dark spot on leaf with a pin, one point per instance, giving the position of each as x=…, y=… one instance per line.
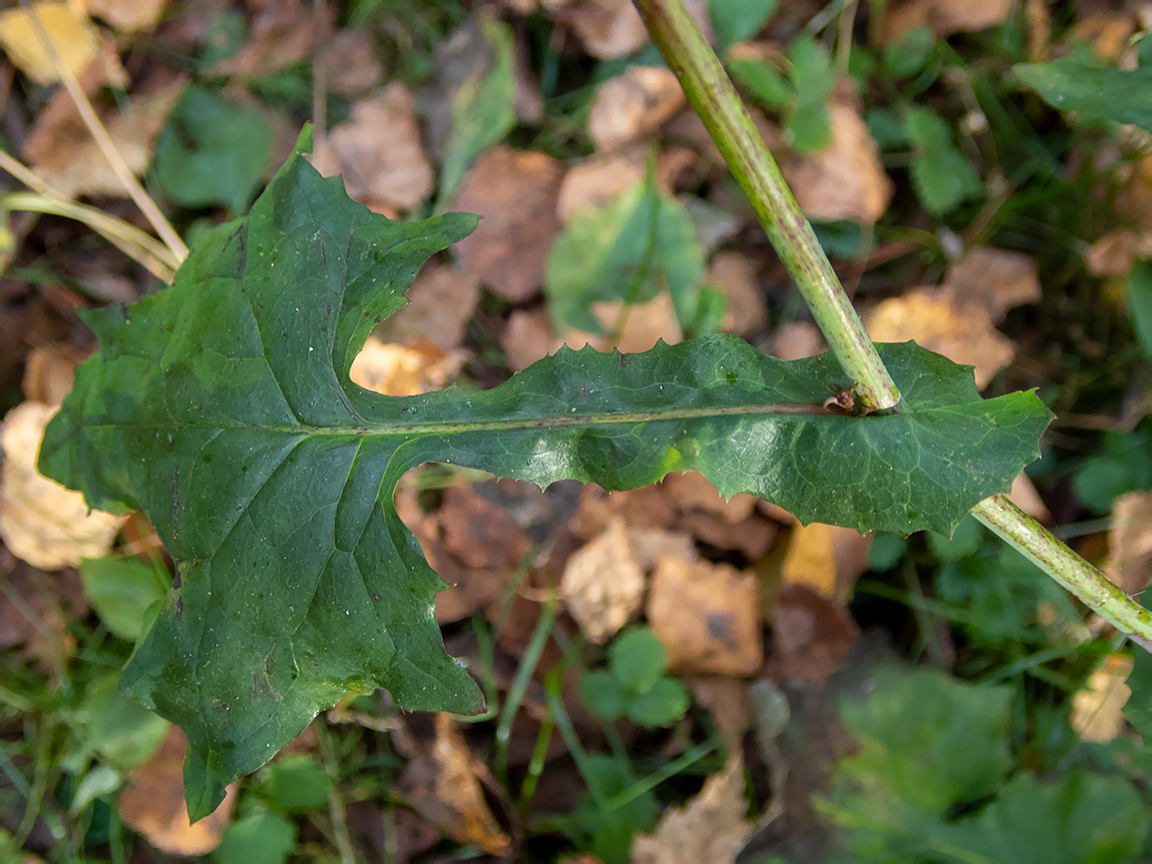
x=176, y=579
x=207, y=458
x=731, y=377
x=376, y=597
x=912, y=514
x=720, y=628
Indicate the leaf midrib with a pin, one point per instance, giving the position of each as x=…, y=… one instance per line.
x=576, y=419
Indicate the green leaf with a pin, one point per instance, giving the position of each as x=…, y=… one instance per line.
x=1094, y=92
x=116, y=727
x=662, y=704
x=213, y=151
x=609, y=833
x=222, y=408
x=260, y=838
x=812, y=72
x=121, y=590
x=909, y=53
x=942, y=175
x=1124, y=464
x=637, y=660
x=223, y=36
x=809, y=128
x=295, y=783
x=1083, y=819
x=1140, y=303
x=763, y=82
x=886, y=551
x=927, y=741
x=965, y=540
x=630, y=249
x=739, y=20
x=886, y=129
x=603, y=695
x=484, y=108
x=1000, y=595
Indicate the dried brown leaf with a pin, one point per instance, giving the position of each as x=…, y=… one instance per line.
x=527, y=337
x=647, y=507
x=1024, y=495
x=608, y=28
x=48, y=372
x=1113, y=254
x=727, y=700
x=152, y=804
x=403, y=370
x=943, y=17
x=40, y=521
x=1097, y=709
x=633, y=104
x=350, y=63
x=36, y=609
x=63, y=153
x=603, y=585
x=752, y=537
x=599, y=180
x=440, y=304
x=130, y=16
x=649, y=545
x=691, y=490
x=1108, y=32
x=845, y=180
x=708, y=617
x=736, y=275
x=711, y=827
x=964, y=334
x=826, y=558
x=1130, y=542
x=75, y=39
x=479, y=532
x=644, y=324
x=515, y=192
x=994, y=279
x=377, y=151
x=811, y=636
x=798, y=339
x=443, y=783
x=283, y=32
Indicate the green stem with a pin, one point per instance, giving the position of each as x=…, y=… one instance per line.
x=714, y=98
x=1042, y=548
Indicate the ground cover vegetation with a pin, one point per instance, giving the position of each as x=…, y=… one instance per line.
x=281, y=455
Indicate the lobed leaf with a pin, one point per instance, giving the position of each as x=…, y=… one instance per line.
x=223, y=409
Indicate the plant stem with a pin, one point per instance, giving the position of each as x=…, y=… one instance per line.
x=1044, y=549
x=715, y=100
x=123, y=173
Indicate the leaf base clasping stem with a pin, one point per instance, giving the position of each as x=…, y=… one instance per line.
x=714, y=98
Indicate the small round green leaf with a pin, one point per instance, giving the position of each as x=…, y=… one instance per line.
x=637, y=660
x=965, y=540
x=602, y=696
x=661, y=705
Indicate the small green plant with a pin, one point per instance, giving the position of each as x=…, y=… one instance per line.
x=800, y=96
x=934, y=778
x=635, y=685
